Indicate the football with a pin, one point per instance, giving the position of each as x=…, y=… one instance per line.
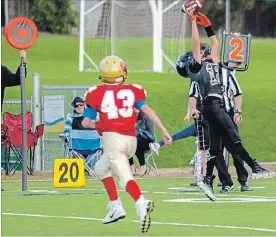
x=189, y=4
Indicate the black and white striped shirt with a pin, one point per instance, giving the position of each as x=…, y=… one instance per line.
x=195, y=92
x=231, y=88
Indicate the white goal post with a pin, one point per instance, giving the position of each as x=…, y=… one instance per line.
x=147, y=34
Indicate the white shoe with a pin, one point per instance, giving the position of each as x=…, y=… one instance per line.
x=265, y=174
x=207, y=190
x=144, y=208
x=115, y=213
x=192, y=161
x=259, y=172
x=262, y=173
x=272, y=174
x=155, y=147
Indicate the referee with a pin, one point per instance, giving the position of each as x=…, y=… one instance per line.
x=232, y=95
x=202, y=132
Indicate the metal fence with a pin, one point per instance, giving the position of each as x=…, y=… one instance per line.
x=52, y=146
x=14, y=106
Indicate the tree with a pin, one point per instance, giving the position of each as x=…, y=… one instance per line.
x=53, y=16
x=215, y=10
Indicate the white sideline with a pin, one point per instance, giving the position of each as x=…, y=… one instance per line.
x=153, y=222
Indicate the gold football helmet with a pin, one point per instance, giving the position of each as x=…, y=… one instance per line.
x=113, y=70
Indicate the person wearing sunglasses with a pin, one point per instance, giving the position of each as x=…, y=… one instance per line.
x=74, y=119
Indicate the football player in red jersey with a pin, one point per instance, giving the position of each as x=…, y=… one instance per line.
x=115, y=103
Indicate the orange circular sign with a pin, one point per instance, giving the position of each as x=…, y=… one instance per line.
x=21, y=33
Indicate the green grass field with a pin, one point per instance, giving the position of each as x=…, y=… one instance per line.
x=56, y=59
x=45, y=211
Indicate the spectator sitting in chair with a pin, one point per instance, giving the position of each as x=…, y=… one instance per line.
x=74, y=119
x=145, y=135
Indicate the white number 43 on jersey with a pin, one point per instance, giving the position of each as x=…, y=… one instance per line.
x=108, y=103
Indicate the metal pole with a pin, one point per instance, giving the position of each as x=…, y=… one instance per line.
x=228, y=16
x=6, y=13
x=36, y=117
x=82, y=25
x=160, y=33
x=43, y=141
x=24, y=126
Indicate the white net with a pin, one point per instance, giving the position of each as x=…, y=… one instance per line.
x=125, y=28
x=131, y=33
x=174, y=26
x=96, y=32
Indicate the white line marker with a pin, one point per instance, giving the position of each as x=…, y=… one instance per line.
x=221, y=200
x=43, y=191
x=153, y=222
x=187, y=189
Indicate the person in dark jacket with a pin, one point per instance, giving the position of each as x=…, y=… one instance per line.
x=9, y=79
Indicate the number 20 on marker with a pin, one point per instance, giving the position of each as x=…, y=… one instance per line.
x=69, y=173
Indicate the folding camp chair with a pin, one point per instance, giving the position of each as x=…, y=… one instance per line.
x=11, y=134
x=150, y=162
x=4, y=137
x=84, y=144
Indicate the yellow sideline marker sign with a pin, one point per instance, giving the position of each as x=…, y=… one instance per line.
x=69, y=173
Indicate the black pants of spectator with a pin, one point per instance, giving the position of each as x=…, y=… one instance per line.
x=238, y=162
x=223, y=130
x=142, y=147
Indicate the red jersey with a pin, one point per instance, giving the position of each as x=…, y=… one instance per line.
x=116, y=105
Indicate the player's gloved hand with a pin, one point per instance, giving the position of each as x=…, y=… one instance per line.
x=191, y=14
x=203, y=20
x=195, y=113
x=167, y=138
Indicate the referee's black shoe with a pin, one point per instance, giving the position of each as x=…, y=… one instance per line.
x=227, y=188
x=244, y=187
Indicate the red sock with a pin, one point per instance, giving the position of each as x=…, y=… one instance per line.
x=133, y=189
x=110, y=188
